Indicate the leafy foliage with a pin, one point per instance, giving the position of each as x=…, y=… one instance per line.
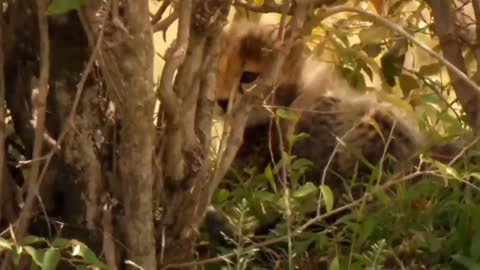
x=430, y=225
x=46, y=255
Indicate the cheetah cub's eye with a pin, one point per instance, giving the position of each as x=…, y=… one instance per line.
x=248, y=77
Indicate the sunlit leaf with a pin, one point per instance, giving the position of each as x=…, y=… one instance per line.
x=327, y=197
x=60, y=242
x=51, y=259
x=308, y=189
x=31, y=239
x=334, y=265
x=36, y=254
x=269, y=175
x=4, y=244
x=286, y=114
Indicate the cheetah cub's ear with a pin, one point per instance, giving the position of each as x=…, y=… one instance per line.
x=246, y=55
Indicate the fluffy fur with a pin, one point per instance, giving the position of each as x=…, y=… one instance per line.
x=338, y=118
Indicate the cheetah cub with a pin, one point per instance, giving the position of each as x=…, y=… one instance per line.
x=349, y=133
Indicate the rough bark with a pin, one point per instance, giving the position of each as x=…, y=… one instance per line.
x=127, y=64
x=444, y=22
x=187, y=101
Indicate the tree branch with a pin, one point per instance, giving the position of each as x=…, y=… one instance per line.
x=272, y=7
x=33, y=184
x=466, y=91
x=174, y=58
x=3, y=152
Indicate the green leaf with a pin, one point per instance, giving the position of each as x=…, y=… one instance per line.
x=292, y=139
x=335, y=265
x=83, y=251
x=36, y=254
x=269, y=175
x=51, y=259
x=286, y=114
x=301, y=163
x=61, y=242
x=63, y=6
x=31, y=239
x=467, y=262
x=221, y=195
x=305, y=190
x=5, y=244
x=446, y=171
x=475, y=175
x=327, y=197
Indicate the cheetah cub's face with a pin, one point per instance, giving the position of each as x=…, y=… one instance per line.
x=245, y=57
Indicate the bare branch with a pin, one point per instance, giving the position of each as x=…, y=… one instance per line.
x=163, y=25
x=174, y=58
x=3, y=152
x=159, y=14
x=476, y=11
x=33, y=184
x=444, y=22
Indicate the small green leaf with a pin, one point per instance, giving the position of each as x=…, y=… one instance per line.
x=61, y=242
x=292, y=139
x=467, y=262
x=475, y=175
x=269, y=175
x=301, y=163
x=305, y=190
x=286, y=114
x=63, y=6
x=5, y=244
x=51, y=259
x=335, y=265
x=31, y=239
x=327, y=197
x=36, y=254
x=221, y=195
x=83, y=251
